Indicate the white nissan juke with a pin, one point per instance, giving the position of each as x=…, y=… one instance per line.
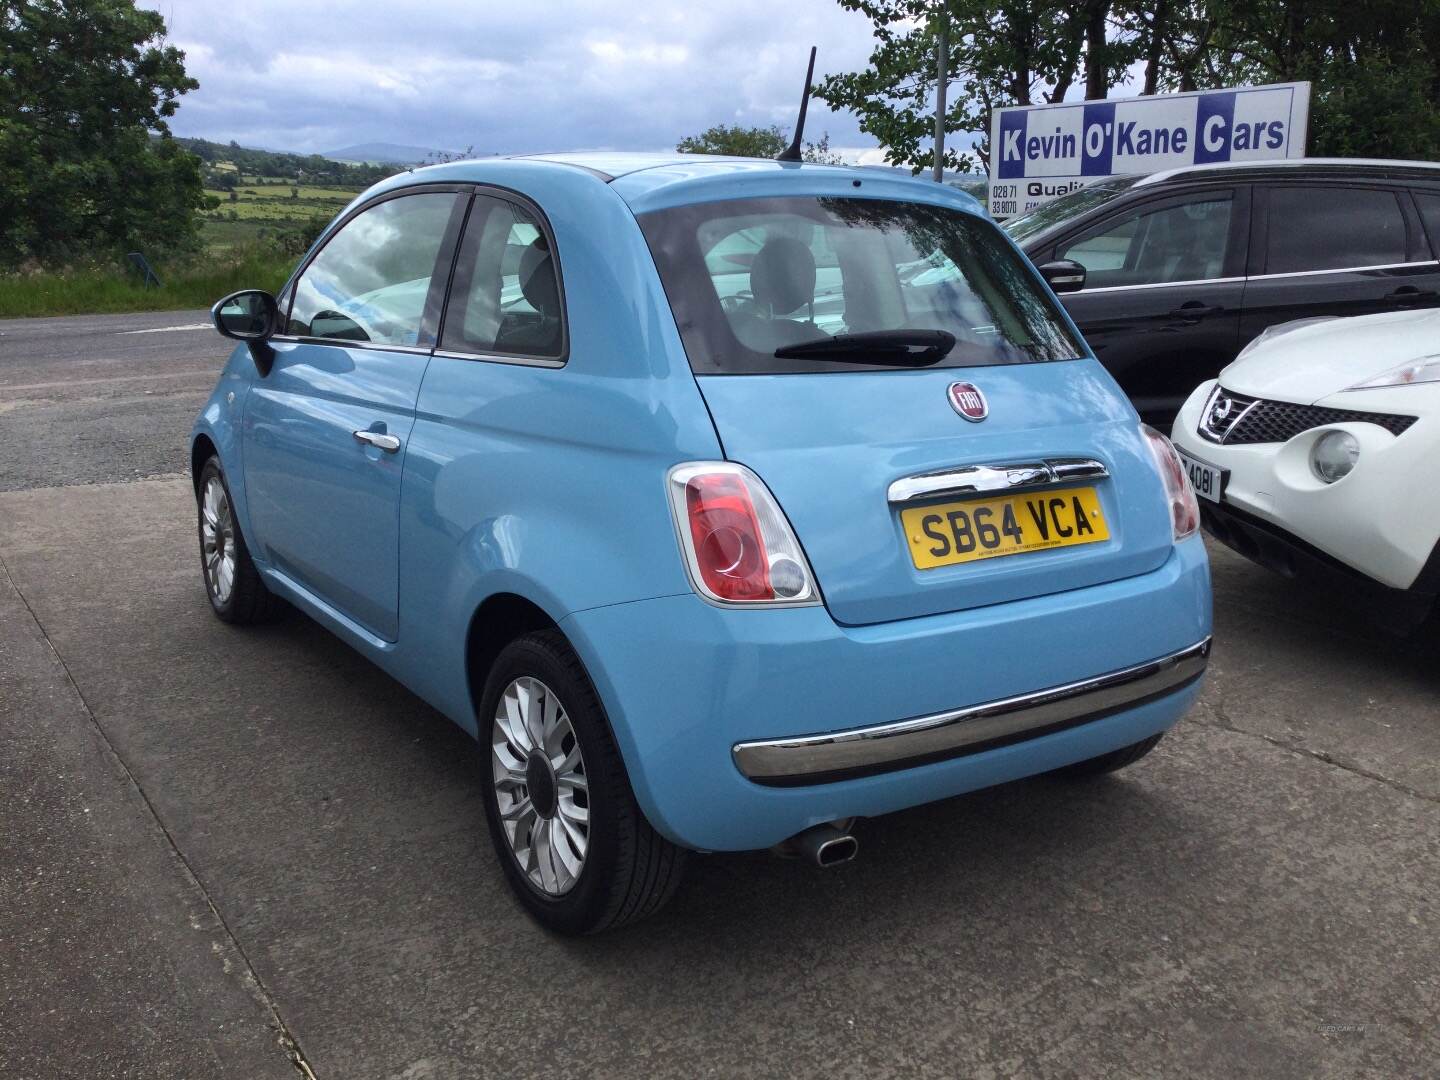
x=1315, y=454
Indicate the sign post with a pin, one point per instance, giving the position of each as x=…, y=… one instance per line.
x=148, y=276
x=1039, y=152
x=942, y=57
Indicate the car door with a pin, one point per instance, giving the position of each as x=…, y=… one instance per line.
x=1335, y=249
x=325, y=430
x=1163, y=291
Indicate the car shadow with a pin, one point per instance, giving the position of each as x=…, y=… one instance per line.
x=988, y=853
x=1253, y=604
x=1013, y=852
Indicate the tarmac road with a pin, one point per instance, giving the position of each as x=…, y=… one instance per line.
x=102, y=398
x=230, y=853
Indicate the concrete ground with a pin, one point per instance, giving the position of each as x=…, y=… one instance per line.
x=247, y=853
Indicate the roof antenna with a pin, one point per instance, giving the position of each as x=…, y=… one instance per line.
x=792, y=152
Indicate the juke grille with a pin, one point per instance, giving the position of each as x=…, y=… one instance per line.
x=1252, y=420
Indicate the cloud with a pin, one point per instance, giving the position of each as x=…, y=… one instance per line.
x=547, y=75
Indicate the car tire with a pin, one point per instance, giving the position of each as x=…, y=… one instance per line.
x=237, y=594
x=581, y=802
x=1111, y=762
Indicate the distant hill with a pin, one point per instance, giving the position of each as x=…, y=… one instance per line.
x=311, y=168
x=380, y=152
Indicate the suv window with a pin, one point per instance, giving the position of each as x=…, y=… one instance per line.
x=748, y=276
x=1430, y=214
x=506, y=294
x=1067, y=207
x=1183, y=241
x=1330, y=228
x=370, y=281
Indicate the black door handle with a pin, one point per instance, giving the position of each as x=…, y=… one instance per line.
x=1409, y=294
x=1194, y=310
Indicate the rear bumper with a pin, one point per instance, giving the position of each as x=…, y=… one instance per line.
x=844, y=755
x=684, y=682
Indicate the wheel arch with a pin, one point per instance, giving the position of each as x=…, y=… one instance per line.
x=500, y=619
x=202, y=449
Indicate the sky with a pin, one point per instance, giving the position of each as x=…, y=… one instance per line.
x=507, y=78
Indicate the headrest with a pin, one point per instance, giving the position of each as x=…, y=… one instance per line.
x=782, y=277
x=537, y=278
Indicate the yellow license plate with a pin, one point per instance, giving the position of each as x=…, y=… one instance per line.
x=1006, y=525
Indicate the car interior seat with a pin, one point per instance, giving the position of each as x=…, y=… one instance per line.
x=782, y=281
x=538, y=333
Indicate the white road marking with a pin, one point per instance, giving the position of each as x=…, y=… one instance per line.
x=168, y=329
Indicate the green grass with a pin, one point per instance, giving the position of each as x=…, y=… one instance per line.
x=274, y=210
x=275, y=204
x=262, y=211
x=220, y=237
x=188, y=285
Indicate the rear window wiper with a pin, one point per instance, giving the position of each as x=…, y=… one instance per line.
x=903, y=348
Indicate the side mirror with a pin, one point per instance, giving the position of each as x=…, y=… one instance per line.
x=1063, y=275
x=248, y=315
x=251, y=316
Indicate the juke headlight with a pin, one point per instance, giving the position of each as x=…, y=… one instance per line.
x=1426, y=369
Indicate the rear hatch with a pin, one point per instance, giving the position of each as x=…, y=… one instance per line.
x=826, y=332
x=830, y=445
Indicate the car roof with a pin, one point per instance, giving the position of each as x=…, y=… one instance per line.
x=611, y=164
x=656, y=181
x=1287, y=166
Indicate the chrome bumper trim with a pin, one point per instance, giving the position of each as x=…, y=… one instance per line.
x=842, y=755
x=1010, y=476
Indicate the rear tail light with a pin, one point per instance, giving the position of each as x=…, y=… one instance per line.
x=738, y=546
x=1184, y=510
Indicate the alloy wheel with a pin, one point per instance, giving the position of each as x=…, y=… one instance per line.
x=541, y=788
x=217, y=540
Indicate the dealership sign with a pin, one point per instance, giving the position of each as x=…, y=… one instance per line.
x=1038, y=152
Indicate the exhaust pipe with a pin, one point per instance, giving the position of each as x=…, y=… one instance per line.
x=823, y=845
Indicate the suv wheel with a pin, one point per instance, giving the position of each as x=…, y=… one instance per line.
x=573, y=843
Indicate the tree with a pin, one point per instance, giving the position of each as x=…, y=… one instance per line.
x=756, y=142
x=83, y=85
x=444, y=157
x=736, y=141
x=1374, y=67
x=820, y=153
x=1000, y=52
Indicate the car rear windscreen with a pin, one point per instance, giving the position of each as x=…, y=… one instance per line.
x=750, y=276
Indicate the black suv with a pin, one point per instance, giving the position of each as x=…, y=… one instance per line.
x=1182, y=268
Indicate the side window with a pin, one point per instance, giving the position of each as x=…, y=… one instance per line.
x=1178, y=242
x=506, y=296
x=1331, y=228
x=1430, y=214
x=370, y=281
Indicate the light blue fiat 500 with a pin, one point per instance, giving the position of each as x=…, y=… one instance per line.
x=724, y=501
